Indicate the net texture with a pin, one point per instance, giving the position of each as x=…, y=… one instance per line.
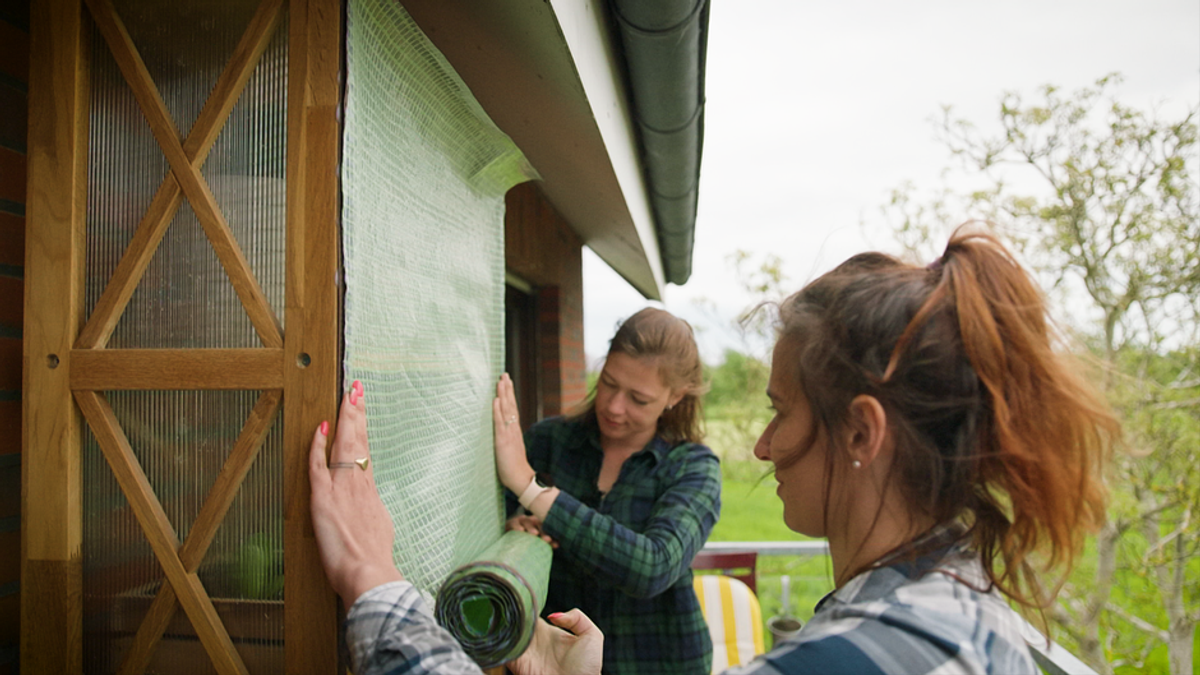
x=424, y=175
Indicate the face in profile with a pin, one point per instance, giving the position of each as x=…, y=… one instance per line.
x=630, y=397
x=789, y=443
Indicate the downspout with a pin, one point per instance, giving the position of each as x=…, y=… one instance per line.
x=664, y=42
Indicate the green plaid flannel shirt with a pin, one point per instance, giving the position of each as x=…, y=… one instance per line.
x=625, y=557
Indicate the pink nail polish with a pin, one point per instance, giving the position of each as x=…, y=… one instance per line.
x=554, y=616
x=325, y=428
x=358, y=386
x=353, y=396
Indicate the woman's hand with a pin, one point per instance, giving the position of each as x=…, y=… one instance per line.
x=352, y=526
x=530, y=524
x=553, y=651
x=511, y=463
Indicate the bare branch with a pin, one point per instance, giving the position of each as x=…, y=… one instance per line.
x=1138, y=622
x=1184, y=524
x=1175, y=405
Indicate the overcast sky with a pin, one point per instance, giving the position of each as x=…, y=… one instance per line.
x=817, y=110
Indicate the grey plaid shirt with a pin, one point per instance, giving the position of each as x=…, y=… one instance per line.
x=916, y=617
x=390, y=630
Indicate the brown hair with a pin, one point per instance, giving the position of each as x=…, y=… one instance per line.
x=657, y=334
x=994, y=424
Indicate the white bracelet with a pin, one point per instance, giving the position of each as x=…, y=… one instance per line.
x=531, y=492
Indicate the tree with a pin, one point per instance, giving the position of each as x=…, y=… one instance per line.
x=1102, y=199
x=734, y=405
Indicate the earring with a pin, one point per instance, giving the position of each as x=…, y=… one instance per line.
x=669, y=406
x=856, y=464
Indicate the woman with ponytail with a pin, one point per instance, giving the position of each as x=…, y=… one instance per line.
x=930, y=424
x=627, y=494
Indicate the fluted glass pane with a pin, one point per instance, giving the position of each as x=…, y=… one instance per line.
x=184, y=285
x=182, y=439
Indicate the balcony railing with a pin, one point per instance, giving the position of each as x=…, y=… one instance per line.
x=1051, y=657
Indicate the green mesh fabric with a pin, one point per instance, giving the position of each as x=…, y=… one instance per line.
x=492, y=604
x=424, y=175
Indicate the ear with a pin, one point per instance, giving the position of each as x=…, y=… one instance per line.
x=868, y=429
x=675, y=397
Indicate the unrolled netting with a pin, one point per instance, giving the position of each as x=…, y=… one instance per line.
x=424, y=177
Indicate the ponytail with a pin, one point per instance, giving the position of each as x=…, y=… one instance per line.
x=994, y=424
x=1045, y=431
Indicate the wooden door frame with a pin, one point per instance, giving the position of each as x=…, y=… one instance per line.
x=314, y=304
x=61, y=355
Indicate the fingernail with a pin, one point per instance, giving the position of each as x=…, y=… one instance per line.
x=359, y=386
x=325, y=428
x=555, y=616
x=353, y=396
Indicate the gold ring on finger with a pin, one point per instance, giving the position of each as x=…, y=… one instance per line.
x=361, y=462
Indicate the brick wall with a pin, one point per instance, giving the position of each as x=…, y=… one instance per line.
x=541, y=249
x=14, y=78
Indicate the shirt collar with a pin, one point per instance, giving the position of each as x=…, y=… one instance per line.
x=940, y=548
x=657, y=448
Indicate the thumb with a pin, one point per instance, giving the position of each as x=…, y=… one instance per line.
x=575, y=621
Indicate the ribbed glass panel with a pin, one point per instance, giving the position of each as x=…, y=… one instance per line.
x=185, y=301
x=125, y=168
x=185, y=284
x=181, y=441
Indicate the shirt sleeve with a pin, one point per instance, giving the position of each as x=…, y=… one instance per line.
x=647, y=563
x=390, y=630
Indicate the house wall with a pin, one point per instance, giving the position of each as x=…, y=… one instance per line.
x=542, y=249
x=14, y=77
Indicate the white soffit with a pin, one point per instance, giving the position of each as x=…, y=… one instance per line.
x=548, y=75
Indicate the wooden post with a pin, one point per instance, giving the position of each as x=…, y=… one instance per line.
x=52, y=520
x=312, y=338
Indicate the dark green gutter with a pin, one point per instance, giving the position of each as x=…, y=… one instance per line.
x=664, y=43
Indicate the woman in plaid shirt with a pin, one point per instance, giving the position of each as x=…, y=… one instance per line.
x=634, y=497
x=928, y=424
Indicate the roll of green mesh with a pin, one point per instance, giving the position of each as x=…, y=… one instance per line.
x=491, y=605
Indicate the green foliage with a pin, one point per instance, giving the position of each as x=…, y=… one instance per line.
x=738, y=389
x=260, y=567
x=736, y=405
x=1108, y=214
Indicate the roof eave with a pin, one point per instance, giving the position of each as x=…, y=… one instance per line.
x=551, y=76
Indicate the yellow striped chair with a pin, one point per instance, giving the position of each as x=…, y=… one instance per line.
x=734, y=619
